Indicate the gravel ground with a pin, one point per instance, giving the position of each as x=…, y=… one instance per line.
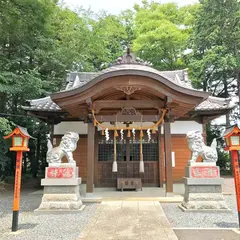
x=180, y=219
x=38, y=227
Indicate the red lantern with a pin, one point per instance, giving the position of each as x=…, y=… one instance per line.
x=20, y=138
x=232, y=138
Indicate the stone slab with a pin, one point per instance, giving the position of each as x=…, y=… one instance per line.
x=61, y=182
x=203, y=189
x=61, y=189
x=236, y=230
x=206, y=164
x=203, y=181
x=64, y=211
x=205, y=197
x=62, y=164
x=204, y=210
x=129, y=220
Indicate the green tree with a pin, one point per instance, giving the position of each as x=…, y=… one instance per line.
x=162, y=31
x=5, y=129
x=215, y=42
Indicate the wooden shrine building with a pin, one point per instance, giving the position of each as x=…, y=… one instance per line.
x=132, y=120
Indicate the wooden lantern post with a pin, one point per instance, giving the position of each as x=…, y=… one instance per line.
x=20, y=138
x=232, y=140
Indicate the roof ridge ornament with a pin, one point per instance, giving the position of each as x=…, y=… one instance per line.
x=130, y=58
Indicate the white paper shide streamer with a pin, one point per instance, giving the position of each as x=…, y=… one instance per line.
x=149, y=134
x=107, y=134
x=122, y=134
x=134, y=133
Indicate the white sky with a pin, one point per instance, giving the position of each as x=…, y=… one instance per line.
x=115, y=6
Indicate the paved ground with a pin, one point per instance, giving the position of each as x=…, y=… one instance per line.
x=180, y=219
x=123, y=220
x=39, y=227
x=206, y=234
x=129, y=220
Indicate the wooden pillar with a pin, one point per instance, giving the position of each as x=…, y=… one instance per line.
x=160, y=158
x=90, y=157
x=204, y=126
x=96, y=158
x=127, y=149
x=168, y=158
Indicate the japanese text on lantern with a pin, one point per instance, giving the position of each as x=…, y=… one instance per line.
x=204, y=172
x=59, y=172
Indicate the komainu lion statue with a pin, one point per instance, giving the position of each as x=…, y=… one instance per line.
x=198, y=147
x=66, y=147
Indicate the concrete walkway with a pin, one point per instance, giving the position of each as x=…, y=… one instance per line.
x=125, y=220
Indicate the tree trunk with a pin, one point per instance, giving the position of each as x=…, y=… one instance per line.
x=35, y=162
x=238, y=82
x=226, y=95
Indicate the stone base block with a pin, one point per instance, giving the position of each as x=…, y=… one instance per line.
x=207, y=204
x=203, y=190
x=58, y=211
x=61, y=195
x=184, y=209
x=60, y=205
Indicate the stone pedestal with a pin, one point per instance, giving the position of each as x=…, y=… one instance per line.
x=61, y=189
x=203, y=188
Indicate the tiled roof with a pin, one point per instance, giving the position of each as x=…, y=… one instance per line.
x=215, y=103
x=78, y=79
x=129, y=64
x=212, y=103
x=42, y=104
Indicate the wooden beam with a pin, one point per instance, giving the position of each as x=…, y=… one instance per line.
x=168, y=159
x=128, y=118
x=160, y=157
x=89, y=103
x=98, y=105
x=90, y=157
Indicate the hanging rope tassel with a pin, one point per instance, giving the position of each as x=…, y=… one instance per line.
x=153, y=131
x=129, y=133
x=141, y=166
x=115, y=133
x=141, y=163
x=114, y=166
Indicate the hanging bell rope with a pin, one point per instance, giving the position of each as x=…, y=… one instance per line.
x=141, y=163
x=114, y=166
x=161, y=120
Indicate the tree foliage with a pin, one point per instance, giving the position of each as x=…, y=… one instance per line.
x=215, y=43
x=162, y=31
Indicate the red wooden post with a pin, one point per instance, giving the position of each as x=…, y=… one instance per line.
x=17, y=187
x=20, y=138
x=235, y=166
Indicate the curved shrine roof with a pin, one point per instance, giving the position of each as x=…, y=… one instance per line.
x=177, y=80
x=212, y=103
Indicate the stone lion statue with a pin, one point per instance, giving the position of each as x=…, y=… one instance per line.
x=66, y=147
x=198, y=147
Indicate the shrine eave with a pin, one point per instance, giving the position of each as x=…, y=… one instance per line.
x=175, y=83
